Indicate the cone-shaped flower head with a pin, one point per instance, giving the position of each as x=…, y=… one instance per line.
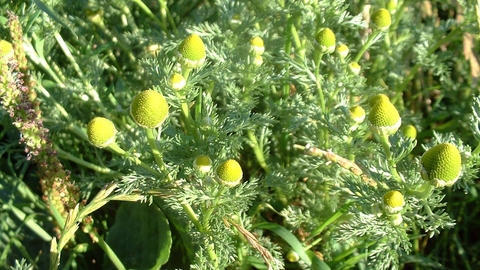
x=393, y=202
x=229, y=173
x=202, y=164
x=325, y=40
x=354, y=67
x=101, y=132
x=373, y=100
x=381, y=19
x=441, y=165
x=191, y=52
x=6, y=50
x=177, y=81
x=149, y=109
x=257, y=46
x=357, y=114
x=342, y=50
x=409, y=131
x=384, y=119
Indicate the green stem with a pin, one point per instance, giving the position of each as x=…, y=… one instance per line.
x=116, y=149
x=150, y=14
x=65, y=155
x=257, y=151
x=156, y=153
x=391, y=161
x=211, y=207
x=366, y=45
x=108, y=251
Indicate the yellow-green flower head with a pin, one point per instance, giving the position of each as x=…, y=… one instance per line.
x=325, y=40
x=409, y=131
x=441, y=165
x=357, y=114
x=177, y=81
x=202, y=164
x=6, y=50
x=383, y=118
x=229, y=173
x=354, y=67
x=373, y=100
x=393, y=202
x=381, y=19
x=191, y=52
x=257, y=46
x=342, y=50
x=149, y=109
x=292, y=256
x=101, y=132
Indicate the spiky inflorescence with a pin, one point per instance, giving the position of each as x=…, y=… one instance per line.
x=441, y=165
x=19, y=99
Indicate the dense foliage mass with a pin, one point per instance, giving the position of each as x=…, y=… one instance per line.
x=221, y=134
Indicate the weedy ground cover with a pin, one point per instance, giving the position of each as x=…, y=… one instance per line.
x=239, y=134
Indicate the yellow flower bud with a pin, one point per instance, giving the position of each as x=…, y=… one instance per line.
x=383, y=118
x=325, y=40
x=392, y=6
x=177, y=81
x=354, y=67
x=202, y=164
x=229, y=173
x=342, y=50
x=357, y=114
x=441, y=165
x=149, y=109
x=101, y=132
x=257, y=46
x=409, y=131
x=393, y=202
x=381, y=19
x=191, y=52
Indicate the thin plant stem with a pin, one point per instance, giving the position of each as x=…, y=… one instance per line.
x=156, y=153
x=65, y=155
x=258, y=151
x=393, y=168
x=366, y=45
x=116, y=149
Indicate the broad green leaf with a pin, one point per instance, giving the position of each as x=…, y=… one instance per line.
x=140, y=237
x=288, y=237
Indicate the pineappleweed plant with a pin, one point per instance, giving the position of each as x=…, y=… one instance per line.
x=243, y=134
